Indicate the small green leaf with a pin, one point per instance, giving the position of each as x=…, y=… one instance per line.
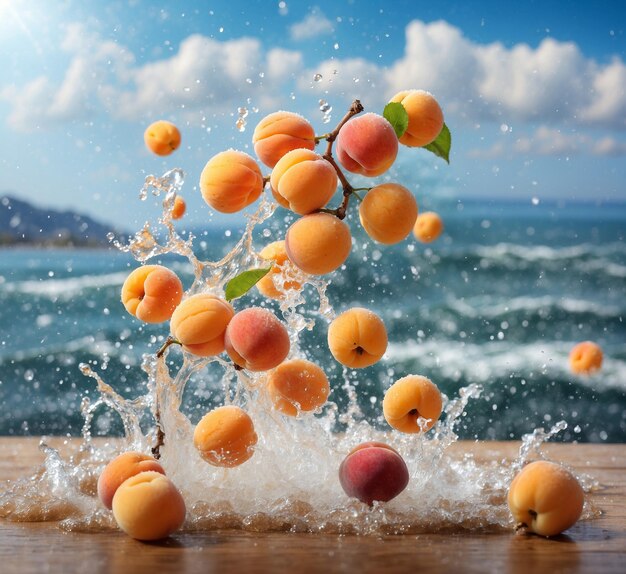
x=396, y=115
x=442, y=144
x=243, y=282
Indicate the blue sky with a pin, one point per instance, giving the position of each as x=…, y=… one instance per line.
x=533, y=92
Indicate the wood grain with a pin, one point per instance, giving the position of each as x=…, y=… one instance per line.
x=595, y=546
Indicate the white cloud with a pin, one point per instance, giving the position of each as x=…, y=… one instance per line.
x=549, y=141
x=314, y=24
x=551, y=84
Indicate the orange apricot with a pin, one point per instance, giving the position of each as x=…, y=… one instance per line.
x=303, y=181
x=545, y=498
x=225, y=436
x=151, y=293
x=148, y=506
x=121, y=468
x=585, y=358
x=199, y=324
x=230, y=181
x=256, y=339
x=357, y=338
x=162, y=137
x=428, y=227
x=297, y=385
x=318, y=243
x=367, y=145
x=275, y=252
x=179, y=207
x=410, y=398
x=279, y=133
x=388, y=213
x=425, y=117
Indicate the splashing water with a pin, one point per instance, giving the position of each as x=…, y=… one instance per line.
x=291, y=483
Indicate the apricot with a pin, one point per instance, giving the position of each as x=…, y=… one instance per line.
x=162, y=137
x=425, y=117
x=225, y=436
x=318, y=243
x=230, y=181
x=410, y=398
x=148, y=506
x=388, y=213
x=545, y=498
x=256, y=339
x=297, y=385
x=275, y=252
x=279, y=133
x=585, y=358
x=151, y=293
x=367, y=145
x=199, y=324
x=121, y=468
x=428, y=227
x=303, y=181
x=357, y=338
x=373, y=471
x=179, y=208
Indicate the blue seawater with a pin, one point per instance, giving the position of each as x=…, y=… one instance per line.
x=498, y=300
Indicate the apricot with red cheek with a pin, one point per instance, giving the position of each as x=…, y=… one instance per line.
x=256, y=339
x=151, y=293
x=367, y=145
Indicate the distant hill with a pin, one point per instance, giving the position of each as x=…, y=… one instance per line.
x=23, y=223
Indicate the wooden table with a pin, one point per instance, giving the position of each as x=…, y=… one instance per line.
x=597, y=546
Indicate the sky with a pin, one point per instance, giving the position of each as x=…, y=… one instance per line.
x=534, y=92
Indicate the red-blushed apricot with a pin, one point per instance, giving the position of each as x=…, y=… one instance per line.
x=545, y=498
x=318, y=243
x=388, y=213
x=151, y=293
x=179, y=207
x=373, y=472
x=275, y=252
x=303, y=181
x=225, y=436
x=585, y=358
x=409, y=399
x=256, y=339
x=357, y=338
x=230, y=181
x=148, y=506
x=297, y=385
x=162, y=137
x=367, y=145
x=279, y=133
x=121, y=468
x=428, y=227
x=199, y=324
x=425, y=117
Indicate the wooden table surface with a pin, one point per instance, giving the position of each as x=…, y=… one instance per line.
x=597, y=546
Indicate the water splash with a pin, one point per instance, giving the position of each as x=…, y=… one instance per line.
x=291, y=482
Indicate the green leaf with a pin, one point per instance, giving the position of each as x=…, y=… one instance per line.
x=396, y=115
x=242, y=283
x=441, y=146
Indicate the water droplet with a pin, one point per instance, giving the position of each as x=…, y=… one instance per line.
x=504, y=128
x=29, y=375
x=317, y=77
x=336, y=46
x=535, y=201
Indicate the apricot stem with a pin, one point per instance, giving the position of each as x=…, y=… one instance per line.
x=160, y=438
x=169, y=341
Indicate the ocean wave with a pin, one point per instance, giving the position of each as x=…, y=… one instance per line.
x=533, y=253
x=66, y=288
x=494, y=361
x=481, y=306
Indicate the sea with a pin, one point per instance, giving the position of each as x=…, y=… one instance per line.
x=498, y=301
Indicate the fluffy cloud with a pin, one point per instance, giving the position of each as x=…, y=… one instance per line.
x=548, y=84
x=314, y=24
